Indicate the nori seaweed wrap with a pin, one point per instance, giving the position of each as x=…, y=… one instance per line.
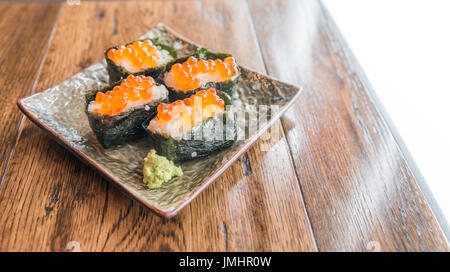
x=141, y=57
x=200, y=71
x=214, y=132
x=116, y=112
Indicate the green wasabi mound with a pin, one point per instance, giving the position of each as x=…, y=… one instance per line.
x=158, y=169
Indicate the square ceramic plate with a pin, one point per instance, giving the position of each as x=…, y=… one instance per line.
x=60, y=111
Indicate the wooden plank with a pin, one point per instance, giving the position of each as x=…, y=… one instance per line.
x=50, y=198
x=25, y=29
x=359, y=191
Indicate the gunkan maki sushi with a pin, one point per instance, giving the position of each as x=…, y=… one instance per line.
x=174, y=128
x=203, y=70
x=116, y=113
x=147, y=57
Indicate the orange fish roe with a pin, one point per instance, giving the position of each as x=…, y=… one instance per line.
x=131, y=89
x=201, y=106
x=193, y=73
x=138, y=55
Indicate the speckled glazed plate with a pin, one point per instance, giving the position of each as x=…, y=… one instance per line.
x=60, y=111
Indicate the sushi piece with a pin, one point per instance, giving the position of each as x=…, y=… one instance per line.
x=203, y=70
x=146, y=57
x=183, y=129
x=116, y=113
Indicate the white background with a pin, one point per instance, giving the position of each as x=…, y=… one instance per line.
x=404, y=49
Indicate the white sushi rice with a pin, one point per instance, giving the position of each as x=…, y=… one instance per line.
x=164, y=57
x=158, y=92
x=176, y=126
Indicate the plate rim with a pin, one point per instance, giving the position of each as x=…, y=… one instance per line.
x=206, y=182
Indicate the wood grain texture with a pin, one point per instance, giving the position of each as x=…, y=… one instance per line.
x=49, y=198
x=359, y=191
x=25, y=30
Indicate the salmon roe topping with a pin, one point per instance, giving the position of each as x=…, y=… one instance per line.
x=200, y=106
x=131, y=89
x=192, y=73
x=140, y=55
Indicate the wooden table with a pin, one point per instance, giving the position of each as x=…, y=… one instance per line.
x=339, y=178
